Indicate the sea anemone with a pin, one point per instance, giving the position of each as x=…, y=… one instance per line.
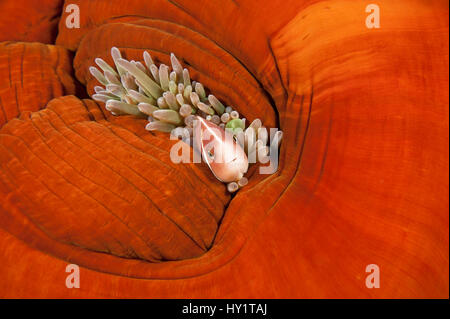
x=171, y=101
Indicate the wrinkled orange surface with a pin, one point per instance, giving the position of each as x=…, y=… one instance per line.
x=363, y=176
x=32, y=21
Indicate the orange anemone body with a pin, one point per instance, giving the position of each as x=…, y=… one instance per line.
x=363, y=168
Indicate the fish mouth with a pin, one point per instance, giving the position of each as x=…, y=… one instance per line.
x=233, y=160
